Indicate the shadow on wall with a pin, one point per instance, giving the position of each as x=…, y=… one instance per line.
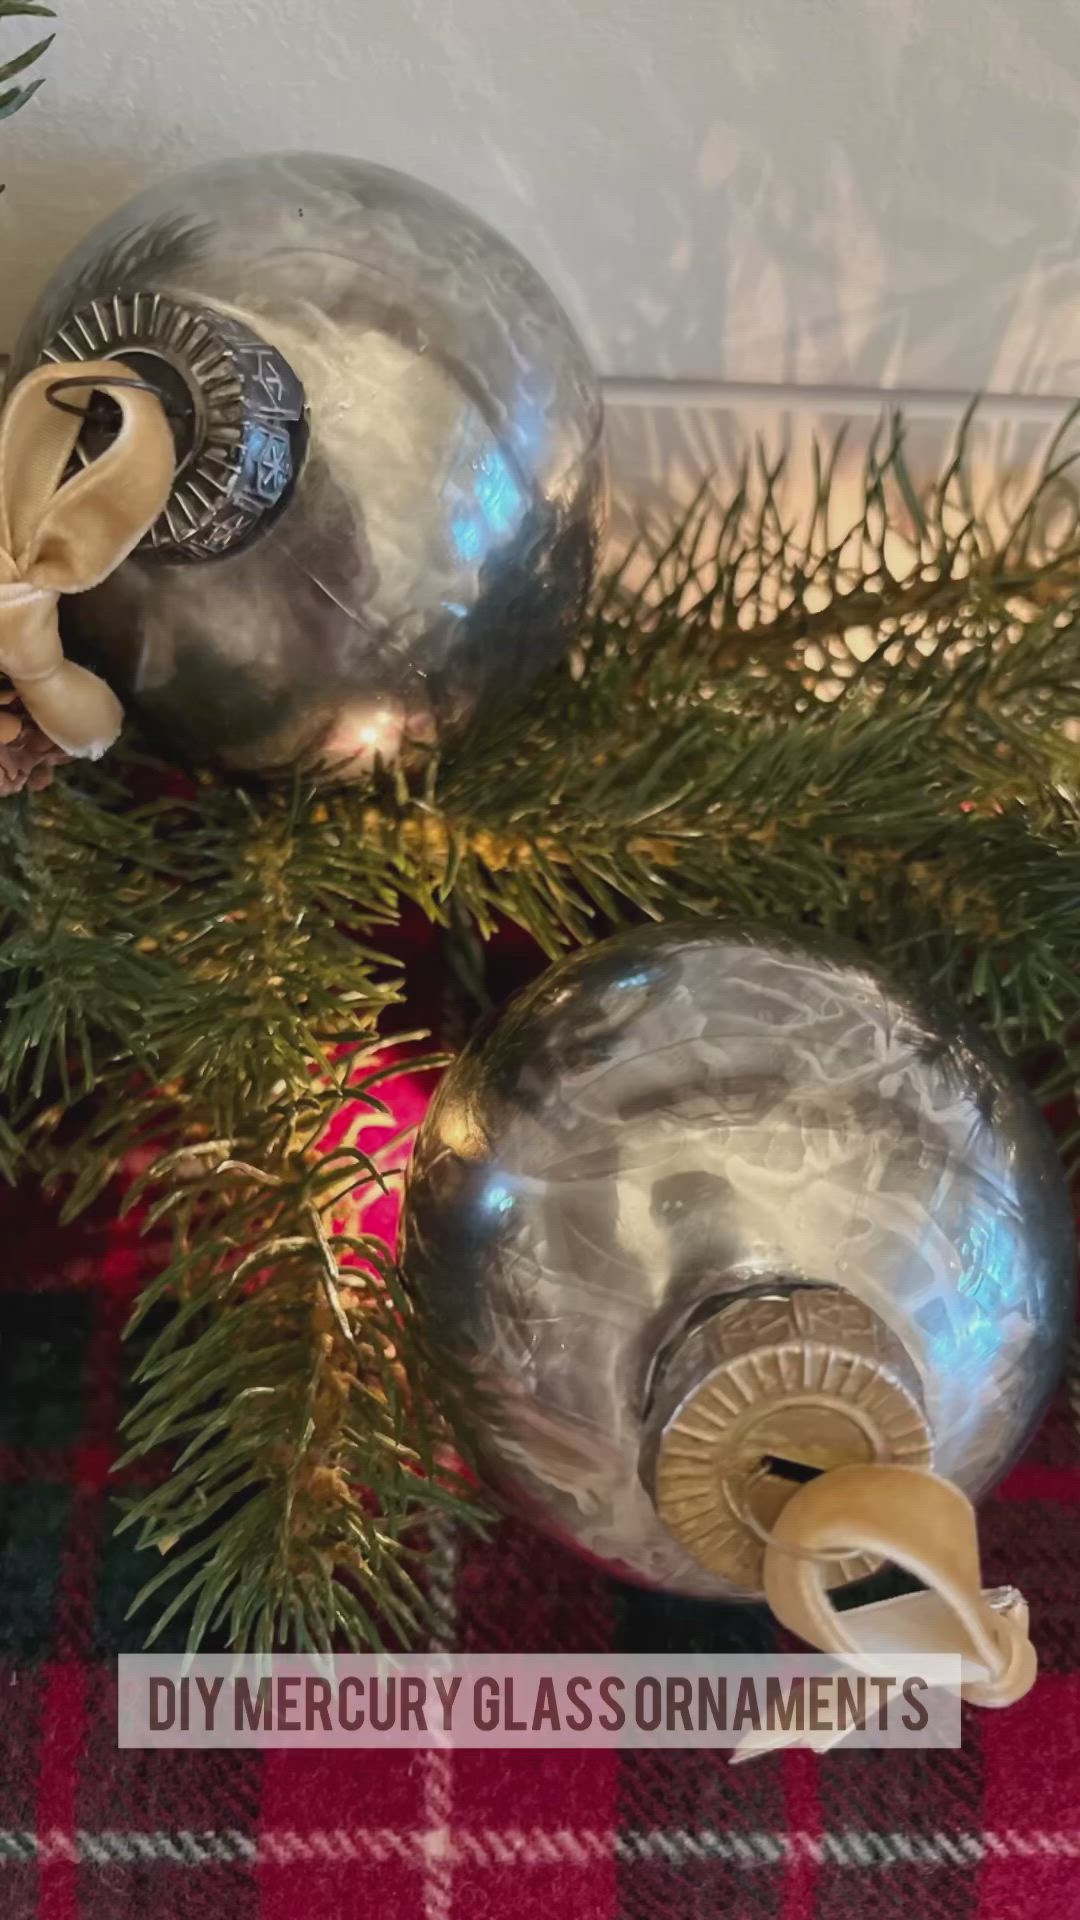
x=875, y=203
x=859, y=192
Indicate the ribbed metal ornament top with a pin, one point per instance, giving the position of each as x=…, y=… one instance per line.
x=770, y=1390
x=236, y=408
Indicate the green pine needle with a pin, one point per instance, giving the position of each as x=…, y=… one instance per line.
x=13, y=99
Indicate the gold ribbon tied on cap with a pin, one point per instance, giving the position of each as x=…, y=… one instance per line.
x=924, y=1524
x=62, y=535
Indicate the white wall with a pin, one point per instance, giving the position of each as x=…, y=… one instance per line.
x=866, y=192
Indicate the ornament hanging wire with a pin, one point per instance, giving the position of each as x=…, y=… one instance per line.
x=97, y=382
x=737, y=1498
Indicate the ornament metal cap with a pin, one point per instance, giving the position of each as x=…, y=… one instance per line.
x=768, y=1392
x=235, y=405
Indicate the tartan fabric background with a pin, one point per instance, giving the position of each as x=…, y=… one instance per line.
x=990, y=1832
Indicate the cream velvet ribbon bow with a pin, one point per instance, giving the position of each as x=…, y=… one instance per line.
x=65, y=536
x=920, y=1522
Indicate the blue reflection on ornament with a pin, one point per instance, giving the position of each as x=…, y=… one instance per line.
x=498, y=494
x=497, y=1198
x=495, y=511
x=467, y=536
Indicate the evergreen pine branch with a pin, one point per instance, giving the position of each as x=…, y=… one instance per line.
x=302, y=1475
x=202, y=986
x=15, y=97
x=870, y=728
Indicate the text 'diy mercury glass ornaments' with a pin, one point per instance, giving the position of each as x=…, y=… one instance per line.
x=390, y=484
x=707, y=1211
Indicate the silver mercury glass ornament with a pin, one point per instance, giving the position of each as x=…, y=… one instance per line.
x=390, y=483
x=706, y=1212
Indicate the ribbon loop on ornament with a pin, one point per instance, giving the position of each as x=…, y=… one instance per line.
x=66, y=536
x=924, y=1524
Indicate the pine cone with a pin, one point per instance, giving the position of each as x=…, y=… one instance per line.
x=27, y=756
